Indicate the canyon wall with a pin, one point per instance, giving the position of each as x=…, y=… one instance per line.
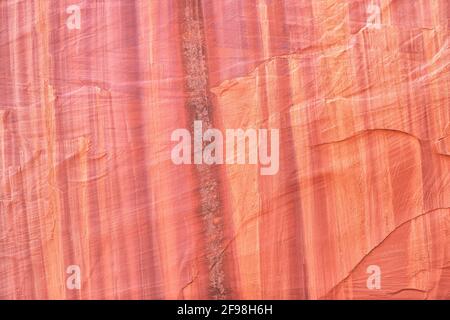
x=358, y=89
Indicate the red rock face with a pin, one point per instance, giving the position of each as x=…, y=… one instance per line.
x=93, y=207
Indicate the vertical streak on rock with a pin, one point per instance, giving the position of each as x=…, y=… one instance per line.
x=198, y=106
x=53, y=254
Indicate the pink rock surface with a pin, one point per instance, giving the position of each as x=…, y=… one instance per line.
x=359, y=91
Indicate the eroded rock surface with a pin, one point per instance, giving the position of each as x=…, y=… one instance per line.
x=359, y=91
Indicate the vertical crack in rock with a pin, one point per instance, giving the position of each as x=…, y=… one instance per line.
x=199, y=107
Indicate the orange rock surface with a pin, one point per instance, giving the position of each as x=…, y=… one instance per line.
x=359, y=90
